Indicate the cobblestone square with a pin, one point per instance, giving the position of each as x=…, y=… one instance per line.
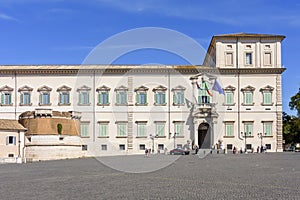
x=245, y=176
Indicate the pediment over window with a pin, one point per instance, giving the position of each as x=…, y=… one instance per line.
x=44, y=88
x=178, y=88
x=84, y=88
x=64, y=88
x=103, y=88
x=121, y=88
x=25, y=88
x=6, y=88
x=141, y=88
x=249, y=88
x=159, y=88
x=267, y=88
x=229, y=88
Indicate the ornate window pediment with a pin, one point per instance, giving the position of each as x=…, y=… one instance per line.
x=83, y=88
x=44, y=88
x=141, y=89
x=178, y=88
x=229, y=88
x=64, y=88
x=121, y=88
x=103, y=88
x=6, y=88
x=248, y=88
x=267, y=88
x=25, y=88
x=159, y=88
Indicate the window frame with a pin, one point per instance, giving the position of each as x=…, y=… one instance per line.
x=160, y=97
x=85, y=124
x=102, y=92
x=178, y=95
x=102, y=124
x=6, y=96
x=121, y=96
x=249, y=90
x=119, y=129
x=141, y=91
x=25, y=90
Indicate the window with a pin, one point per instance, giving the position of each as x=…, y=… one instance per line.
x=122, y=129
x=229, y=146
x=84, y=129
x=84, y=95
x=160, y=96
x=267, y=128
x=267, y=58
x=178, y=128
x=229, y=129
x=122, y=147
x=268, y=146
x=161, y=147
x=141, y=96
x=179, y=146
x=160, y=129
x=11, y=155
x=103, y=95
x=6, y=95
x=25, y=95
x=141, y=129
x=229, y=59
x=11, y=140
x=229, y=98
x=229, y=95
x=249, y=146
x=142, y=147
x=248, y=58
x=248, y=98
x=178, y=95
x=248, y=95
x=248, y=128
x=44, y=95
x=104, y=147
x=121, y=95
x=103, y=129
x=64, y=95
x=84, y=147
x=267, y=95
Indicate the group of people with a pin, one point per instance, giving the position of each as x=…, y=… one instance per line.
x=259, y=149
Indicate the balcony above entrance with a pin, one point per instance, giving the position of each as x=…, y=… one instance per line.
x=204, y=110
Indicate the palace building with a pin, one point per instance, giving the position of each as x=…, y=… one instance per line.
x=232, y=100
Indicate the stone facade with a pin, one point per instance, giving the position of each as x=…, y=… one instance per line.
x=153, y=114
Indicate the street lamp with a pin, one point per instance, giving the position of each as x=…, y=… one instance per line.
x=152, y=138
x=175, y=140
x=245, y=136
x=260, y=135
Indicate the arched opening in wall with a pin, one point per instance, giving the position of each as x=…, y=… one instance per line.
x=204, y=136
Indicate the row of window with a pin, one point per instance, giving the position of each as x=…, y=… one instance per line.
x=248, y=93
x=248, y=129
x=160, y=130
x=84, y=95
x=141, y=147
x=122, y=95
x=248, y=147
x=248, y=56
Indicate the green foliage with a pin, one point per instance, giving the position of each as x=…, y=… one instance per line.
x=295, y=103
x=59, y=128
x=291, y=128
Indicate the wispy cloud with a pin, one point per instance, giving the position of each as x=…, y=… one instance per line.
x=7, y=17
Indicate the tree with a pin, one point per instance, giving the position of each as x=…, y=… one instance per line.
x=295, y=103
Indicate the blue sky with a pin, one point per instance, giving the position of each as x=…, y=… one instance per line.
x=65, y=31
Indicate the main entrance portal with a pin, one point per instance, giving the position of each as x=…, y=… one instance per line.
x=204, y=136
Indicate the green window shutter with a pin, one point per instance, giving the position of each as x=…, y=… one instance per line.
x=22, y=99
x=248, y=96
x=118, y=98
x=160, y=129
x=163, y=98
x=229, y=98
x=181, y=98
x=268, y=129
x=155, y=98
x=229, y=130
x=175, y=98
x=267, y=98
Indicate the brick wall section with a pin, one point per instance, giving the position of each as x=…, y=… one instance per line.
x=48, y=126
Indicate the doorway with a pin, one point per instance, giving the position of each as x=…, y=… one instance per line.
x=204, y=136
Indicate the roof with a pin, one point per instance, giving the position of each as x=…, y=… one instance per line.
x=10, y=124
x=249, y=35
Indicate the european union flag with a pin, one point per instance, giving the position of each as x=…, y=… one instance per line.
x=217, y=87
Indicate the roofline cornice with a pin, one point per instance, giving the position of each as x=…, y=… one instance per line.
x=144, y=69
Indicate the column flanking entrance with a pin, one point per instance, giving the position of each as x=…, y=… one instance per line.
x=204, y=136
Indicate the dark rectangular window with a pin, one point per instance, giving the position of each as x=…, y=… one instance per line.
x=84, y=147
x=103, y=147
x=229, y=146
x=268, y=146
x=122, y=147
x=249, y=146
x=142, y=147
